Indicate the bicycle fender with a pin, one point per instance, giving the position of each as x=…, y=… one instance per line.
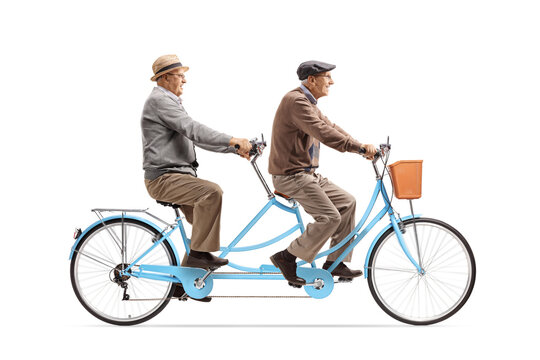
x=368, y=255
x=119, y=217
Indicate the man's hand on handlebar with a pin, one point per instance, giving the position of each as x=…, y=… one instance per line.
x=243, y=147
x=370, y=151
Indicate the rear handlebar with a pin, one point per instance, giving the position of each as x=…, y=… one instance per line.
x=257, y=147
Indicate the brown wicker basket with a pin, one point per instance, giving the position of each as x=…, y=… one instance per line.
x=407, y=178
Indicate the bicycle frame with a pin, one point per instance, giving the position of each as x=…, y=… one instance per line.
x=266, y=272
x=112, y=284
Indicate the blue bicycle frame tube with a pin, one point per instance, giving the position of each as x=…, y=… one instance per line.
x=163, y=237
x=247, y=228
x=355, y=230
x=360, y=236
x=232, y=246
x=263, y=244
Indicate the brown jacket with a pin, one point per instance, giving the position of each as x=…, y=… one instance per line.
x=298, y=127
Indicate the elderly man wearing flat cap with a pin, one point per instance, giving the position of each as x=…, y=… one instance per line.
x=169, y=138
x=299, y=128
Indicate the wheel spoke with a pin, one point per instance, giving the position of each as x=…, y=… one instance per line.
x=97, y=279
x=107, y=263
x=414, y=271
x=438, y=292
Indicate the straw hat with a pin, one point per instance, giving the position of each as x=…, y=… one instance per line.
x=165, y=64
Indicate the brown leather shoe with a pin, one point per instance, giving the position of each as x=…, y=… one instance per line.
x=288, y=268
x=342, y=271
x=205, y=261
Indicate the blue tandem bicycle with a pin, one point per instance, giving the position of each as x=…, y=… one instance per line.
x=125, y=268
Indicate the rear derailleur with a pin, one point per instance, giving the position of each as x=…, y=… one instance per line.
x=120, y=280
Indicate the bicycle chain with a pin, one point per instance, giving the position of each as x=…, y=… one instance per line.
x=235, y=297
x=255, y=296
x=260, y=297
x=248, y=273
x=240, y=296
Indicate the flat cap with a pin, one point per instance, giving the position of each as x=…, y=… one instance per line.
x=313, y=67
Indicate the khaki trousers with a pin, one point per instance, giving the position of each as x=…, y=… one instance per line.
x=332, y=208
x=200, y=202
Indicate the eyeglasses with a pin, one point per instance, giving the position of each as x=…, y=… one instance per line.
x=325, y=76
x=179, y=75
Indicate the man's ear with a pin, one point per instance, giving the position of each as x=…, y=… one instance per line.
x=160, y=80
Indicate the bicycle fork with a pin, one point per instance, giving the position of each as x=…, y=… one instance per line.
x=404, y=247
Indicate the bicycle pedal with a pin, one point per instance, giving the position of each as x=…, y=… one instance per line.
x=295, y=286
x=344, y=280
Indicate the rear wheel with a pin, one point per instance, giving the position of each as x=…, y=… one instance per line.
x=96, y=268
x=444, y=287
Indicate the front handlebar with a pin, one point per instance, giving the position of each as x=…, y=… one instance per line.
x=383, y=150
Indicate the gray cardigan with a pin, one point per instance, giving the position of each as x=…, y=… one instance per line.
x=169, y=135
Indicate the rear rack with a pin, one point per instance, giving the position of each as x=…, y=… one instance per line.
x=99, y=214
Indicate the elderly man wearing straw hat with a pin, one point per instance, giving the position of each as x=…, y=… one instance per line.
x=169, y=137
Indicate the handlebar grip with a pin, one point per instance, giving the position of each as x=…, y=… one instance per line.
x=375, y=157
x=253, y=150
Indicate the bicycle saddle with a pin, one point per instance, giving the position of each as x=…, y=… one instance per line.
x=164, y=203
x=282, y=195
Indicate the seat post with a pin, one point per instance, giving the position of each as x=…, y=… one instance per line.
x=174, y=206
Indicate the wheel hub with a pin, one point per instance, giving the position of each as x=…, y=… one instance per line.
x=115, y=274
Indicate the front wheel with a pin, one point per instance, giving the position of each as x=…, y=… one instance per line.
x=97, y=265
x=437, y=293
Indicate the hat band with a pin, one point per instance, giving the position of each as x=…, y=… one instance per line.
x=175, y=65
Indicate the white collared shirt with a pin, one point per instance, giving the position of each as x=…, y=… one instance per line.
x=308, y=94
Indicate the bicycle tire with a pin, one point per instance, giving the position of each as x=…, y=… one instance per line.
x=95, y=277
x=422, y=299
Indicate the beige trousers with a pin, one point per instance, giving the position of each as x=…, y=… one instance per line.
x=332, y=208
x=200, y=202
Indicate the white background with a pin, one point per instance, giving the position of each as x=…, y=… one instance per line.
x=455, y=83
